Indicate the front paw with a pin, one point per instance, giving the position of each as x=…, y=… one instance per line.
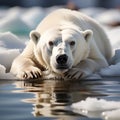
x=29, y=73
x=75, y=73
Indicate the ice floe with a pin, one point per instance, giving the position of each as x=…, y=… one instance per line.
x=95, y=108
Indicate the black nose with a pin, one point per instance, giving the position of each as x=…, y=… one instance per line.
x=62, y=59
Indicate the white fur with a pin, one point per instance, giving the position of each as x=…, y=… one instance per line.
x=55, y=36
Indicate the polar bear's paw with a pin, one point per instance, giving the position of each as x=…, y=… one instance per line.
x=30, y=73
x=75, y=73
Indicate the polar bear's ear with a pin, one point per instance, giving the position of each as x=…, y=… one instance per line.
x=87, y=34
x=34, y=35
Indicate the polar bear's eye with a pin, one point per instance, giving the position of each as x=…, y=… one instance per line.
x=72, y=43
x=50, y=43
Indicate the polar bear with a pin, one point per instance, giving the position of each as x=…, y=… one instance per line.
x=66, y=44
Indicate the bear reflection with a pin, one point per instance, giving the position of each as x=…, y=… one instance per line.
x=53, y=97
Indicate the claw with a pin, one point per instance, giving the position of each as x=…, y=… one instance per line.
x=30, y=73
x=74, y=73
x=25, y=75
x=81, y=75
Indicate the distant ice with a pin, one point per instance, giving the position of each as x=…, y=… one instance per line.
x=10, y=41
x=114, y=68
x=33, y=16
x=10, y=47
x=114, y=36
x=13, y=22
x=7, y=57
x=93, y=11
x=109, y=17
x=4, y=75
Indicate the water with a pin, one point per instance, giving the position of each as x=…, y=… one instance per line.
x=47, y=100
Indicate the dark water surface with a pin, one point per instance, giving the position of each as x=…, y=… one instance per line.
x=47, y=100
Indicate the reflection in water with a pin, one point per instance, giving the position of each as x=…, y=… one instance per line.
x=51, y=97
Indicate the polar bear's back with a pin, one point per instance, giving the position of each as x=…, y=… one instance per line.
x=57, y=17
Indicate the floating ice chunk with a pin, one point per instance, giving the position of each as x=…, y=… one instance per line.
x=4, y=75
x=94, y=104
x=10, y=41
x=93, y=107
x=111, y=115
x=7, y=56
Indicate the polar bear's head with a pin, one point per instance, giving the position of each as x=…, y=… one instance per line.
x=61, y=49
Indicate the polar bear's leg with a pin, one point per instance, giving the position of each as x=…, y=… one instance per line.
x=25, y=68
x=85, y=68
